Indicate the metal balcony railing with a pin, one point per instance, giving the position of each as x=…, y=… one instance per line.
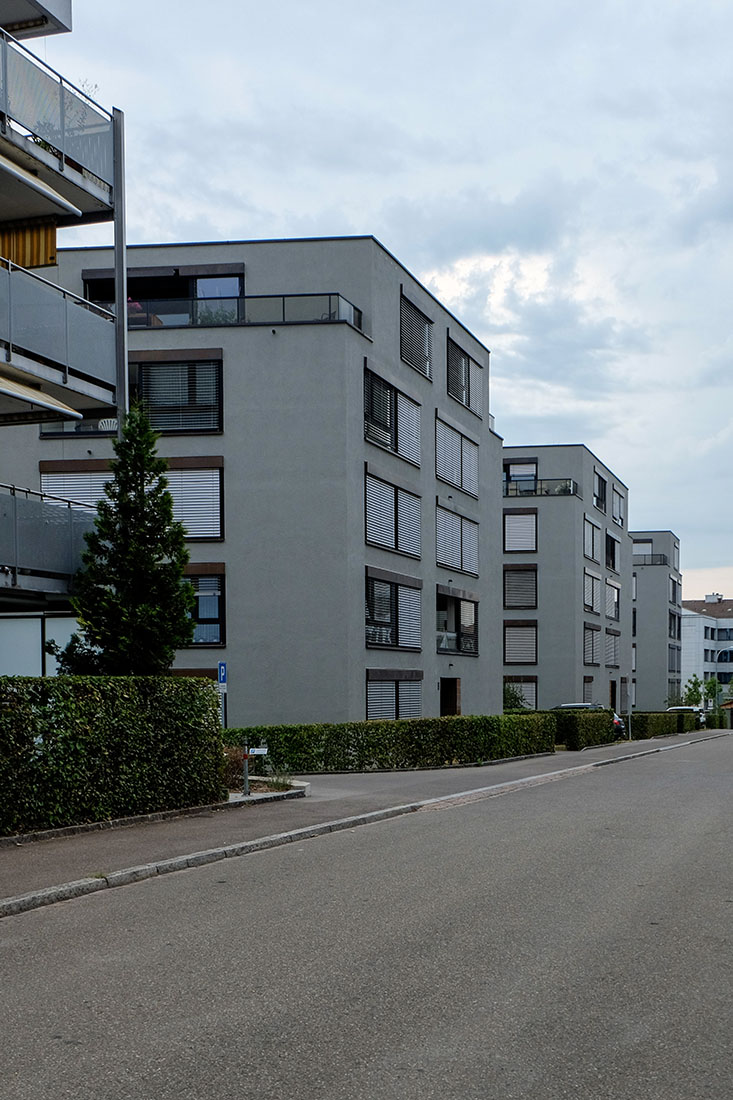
x=253, y=309
x=58, y=117
x=45, y=321
x=547, y=487
x=650, y=559
x=41, y=537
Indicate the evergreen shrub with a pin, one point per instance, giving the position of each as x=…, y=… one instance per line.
x=77, y=749
x=395, y=744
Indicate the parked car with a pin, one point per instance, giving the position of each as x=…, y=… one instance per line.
x=698, y=711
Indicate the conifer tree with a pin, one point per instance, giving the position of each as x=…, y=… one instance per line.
x=131, y=601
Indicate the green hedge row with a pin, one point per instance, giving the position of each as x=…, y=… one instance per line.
x=646, y=724
x=404, y=743
x=578, y=729
x=75, y=749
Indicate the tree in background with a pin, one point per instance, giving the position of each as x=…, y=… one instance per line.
x=692, y=694
x=514, y=698
x=131, y=601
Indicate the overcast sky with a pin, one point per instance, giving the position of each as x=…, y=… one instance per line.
x=560, y=175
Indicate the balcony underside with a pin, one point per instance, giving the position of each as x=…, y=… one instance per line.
x=32, y=392
x=32, y=19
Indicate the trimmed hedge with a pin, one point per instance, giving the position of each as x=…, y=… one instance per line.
x=577, y=729
x=401, y=743
x=646, y=724
x=75, y=749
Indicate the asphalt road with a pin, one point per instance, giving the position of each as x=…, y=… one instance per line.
x=569, y=939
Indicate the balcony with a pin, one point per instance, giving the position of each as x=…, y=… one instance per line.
x=54, y=338
x=56, y=143
x=253, y=309
x=650, y=559
x=547, y=487
x=41, y=540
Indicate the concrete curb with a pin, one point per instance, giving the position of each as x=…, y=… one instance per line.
x=36, y=899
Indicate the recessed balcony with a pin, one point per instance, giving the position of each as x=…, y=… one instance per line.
x=545, y=487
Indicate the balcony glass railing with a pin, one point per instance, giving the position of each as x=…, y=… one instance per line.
x=45, y=321
x=62, y=119
x=255, y=309
x=450, y=642
x=650, y=559
x=547, y=487
x=40, y=536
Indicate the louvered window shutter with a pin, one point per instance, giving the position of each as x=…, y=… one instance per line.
x=520, y=588
x=447, y=453
x=469, y=546
x=197, y=501
x=448, y=538
x=86, y=488
x=408, y=616
x=410, y=698
x=520, y=644
x=181, y=396
x=415, y=337
x=476, y=388
x=520, y=531
x=458, y=374
x=381, y=699
x=408, y=523
x=469, y=453
x=408, y=429
x=380, y=512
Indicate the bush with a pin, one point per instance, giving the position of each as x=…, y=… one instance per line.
x=75, y=749
x=403, y=743
x=577, y=729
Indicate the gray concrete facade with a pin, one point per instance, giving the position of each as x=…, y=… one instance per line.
x=657, y=619
x=567, y=578
x=297, y=458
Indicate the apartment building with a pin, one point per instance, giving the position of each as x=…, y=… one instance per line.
x=707, y=638
x=61, y=355
x=566, y=578
x=656, y=589
x=332, y=456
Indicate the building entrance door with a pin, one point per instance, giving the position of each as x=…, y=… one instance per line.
x=450, y=695
x=612, y=695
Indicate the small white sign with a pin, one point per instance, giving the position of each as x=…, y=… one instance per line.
x=261, y=751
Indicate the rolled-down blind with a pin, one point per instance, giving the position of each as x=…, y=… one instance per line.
x=469, y=546
x=529, y=691
x=591, y=646
x=520, y=531
x=469, y=454
x=410, y=698
x=381, y=699
x=181, y=396
x=87, y=488
x=415, y=337
x=476, y=388
x=520, y=588
x=408, y=429
x=447, y=453
x=612, y=649
x=408, y=523
x=380, y=512
x=408, y=616
x=520, y=644
x=458, y=373
x=448, y=538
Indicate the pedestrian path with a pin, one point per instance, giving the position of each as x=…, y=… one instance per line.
x=48, y=870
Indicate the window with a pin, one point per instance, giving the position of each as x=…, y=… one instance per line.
x=520, y=587
x=521, y=474
x=520, y=531
x=599, y=491
x=676, y=555
x=612, y=649
x=618, y=507
x=464, y=378
x=456, y=458
x=633, y=656
x=526, y=686
x=391, y=419
x=674, y=590
x=633, y=622
x=393, y=614
x=612, y=553
x=613, y=596
x=456, y=541
x=197, y=495
x=633, y=586
x=591, y=645
x=392, y=517
x=591, y=540
x=587, y=689
x=208, y=611
x=394, y=697
x=642, y=547
x=456, y=624
x=416, y=337
x=674, y=625
x=592, y=592
x=179, y=397
x=520, y=643
x=674, y=663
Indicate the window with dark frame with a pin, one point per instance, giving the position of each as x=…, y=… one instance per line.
x=393, y=614
x=179, y=397
x=591, y=540
x=416, y=337
x=392, y=517
x=526, y=686
x=456, y=541
x=520, y=643
x=520, y=588
x=591, y=645
x=456, y=458
x=600, y=487
x=456, y=624
x=612, y=548
x=208, y=611
x=464, y=378
x=391, y=419
x=388, y=699
x=520, y=531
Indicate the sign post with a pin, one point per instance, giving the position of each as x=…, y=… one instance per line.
x=221, y=683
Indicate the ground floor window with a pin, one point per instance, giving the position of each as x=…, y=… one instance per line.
x=394, y=693
x=208, y=611
x=526, y=687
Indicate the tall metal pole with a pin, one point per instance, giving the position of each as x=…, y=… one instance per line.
x=120, y=253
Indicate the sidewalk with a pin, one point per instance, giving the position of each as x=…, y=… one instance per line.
x=145, y=848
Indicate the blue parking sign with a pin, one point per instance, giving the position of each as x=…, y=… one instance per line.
x=222, y=672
